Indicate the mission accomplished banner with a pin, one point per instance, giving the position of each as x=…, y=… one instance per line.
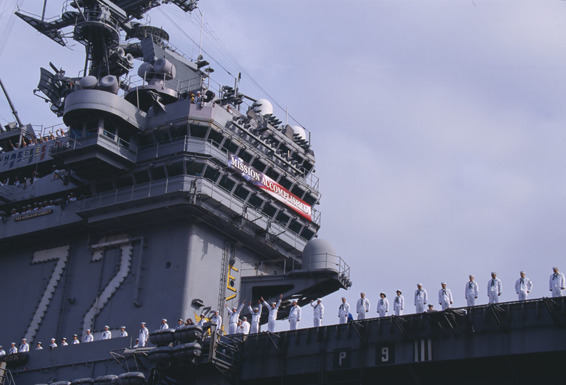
x=270, y=186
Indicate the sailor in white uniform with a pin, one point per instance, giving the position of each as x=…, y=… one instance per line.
x=123, y=332
x=445, y=296
x=163, y=324
x=318, y=312
x=294, y=316
x=244, y=327
x=362, y=306
x=143, y=335
x=556, y=283
x=88, y=336
x=494, y=288
x=343, y=311
x=24, y=346
x=256, y=316
x=471, y=291
x=398, y=303
x=382, y=305
x=13, y=349
x=106, y=334
x=272, y=313
x=421, y=298
x=523, y=286
x=216, y=319
x=64, y=341
x=2, y=351
x=76, y=339
x=201, y=321
x=38, y=346
x=52, y=344
x=234, y=316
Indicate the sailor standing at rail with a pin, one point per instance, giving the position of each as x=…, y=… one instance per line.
x=143, y=335
x=343, y=311
x=164, y=325
x=382, y=305
x=76, y=339
x=88, y=336
x=556, y=283
x=294, y=316
x=398, y=303
x=445, y=297
x=318, y=312
x=523, y=286
x=123, y=332
x=13, y=349
x=494, y=288
x=24, y=346
x=362, y=306
x=421, y=297
x=256, y=316
x=106, y=334
x=244, y=328
x=471, y=291
x=234, y=317
x=216, y=319
x=272, y=313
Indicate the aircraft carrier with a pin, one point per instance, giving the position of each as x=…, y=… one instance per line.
x=159, y=196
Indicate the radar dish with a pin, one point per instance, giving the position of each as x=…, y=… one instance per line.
x=263, y=107
x=299, y=133
x=318, y=246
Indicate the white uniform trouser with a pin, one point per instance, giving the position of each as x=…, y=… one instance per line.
x=471, y=300
x=445, y=305
x=556, y=292
x=522, y=295
x=381, y=312
x=344, y=318
x=271, y=325
x=293, y=323
x=317, y=322
x=255, y=327
x=232, y=328
x=493, y=297
x=398, y=311
x=419, y=307
x=362, y=315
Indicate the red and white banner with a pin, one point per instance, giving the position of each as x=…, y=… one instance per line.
x=270, y=186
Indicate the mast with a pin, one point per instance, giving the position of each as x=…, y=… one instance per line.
x=14, y=112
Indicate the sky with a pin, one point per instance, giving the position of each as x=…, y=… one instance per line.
x=439, y=126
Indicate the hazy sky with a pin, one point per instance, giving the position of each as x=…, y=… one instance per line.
x=438, y=126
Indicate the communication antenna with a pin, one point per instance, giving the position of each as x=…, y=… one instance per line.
x=14, y=112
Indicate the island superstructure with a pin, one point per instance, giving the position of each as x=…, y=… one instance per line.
x=157, y=197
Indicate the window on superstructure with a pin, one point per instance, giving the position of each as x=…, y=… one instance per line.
x=230, y=146
x=310, y=199
x=307, y=233
x=198, y=131
x=295, y=226
x=227, y=183
x=141, y=177
x=157, y=173
x=269, y=210
x=245, y=156
x=258, y=165
x=285, y=183
x=272, y=173
x=162, y=136
x=124, y=182
x=194, y=168
x=211, y=174
x=282, y=218
x=241, y=192
x=179, y=131
x=298, y=191
x=175, y=169
x=256, y=201
x=215, y=137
